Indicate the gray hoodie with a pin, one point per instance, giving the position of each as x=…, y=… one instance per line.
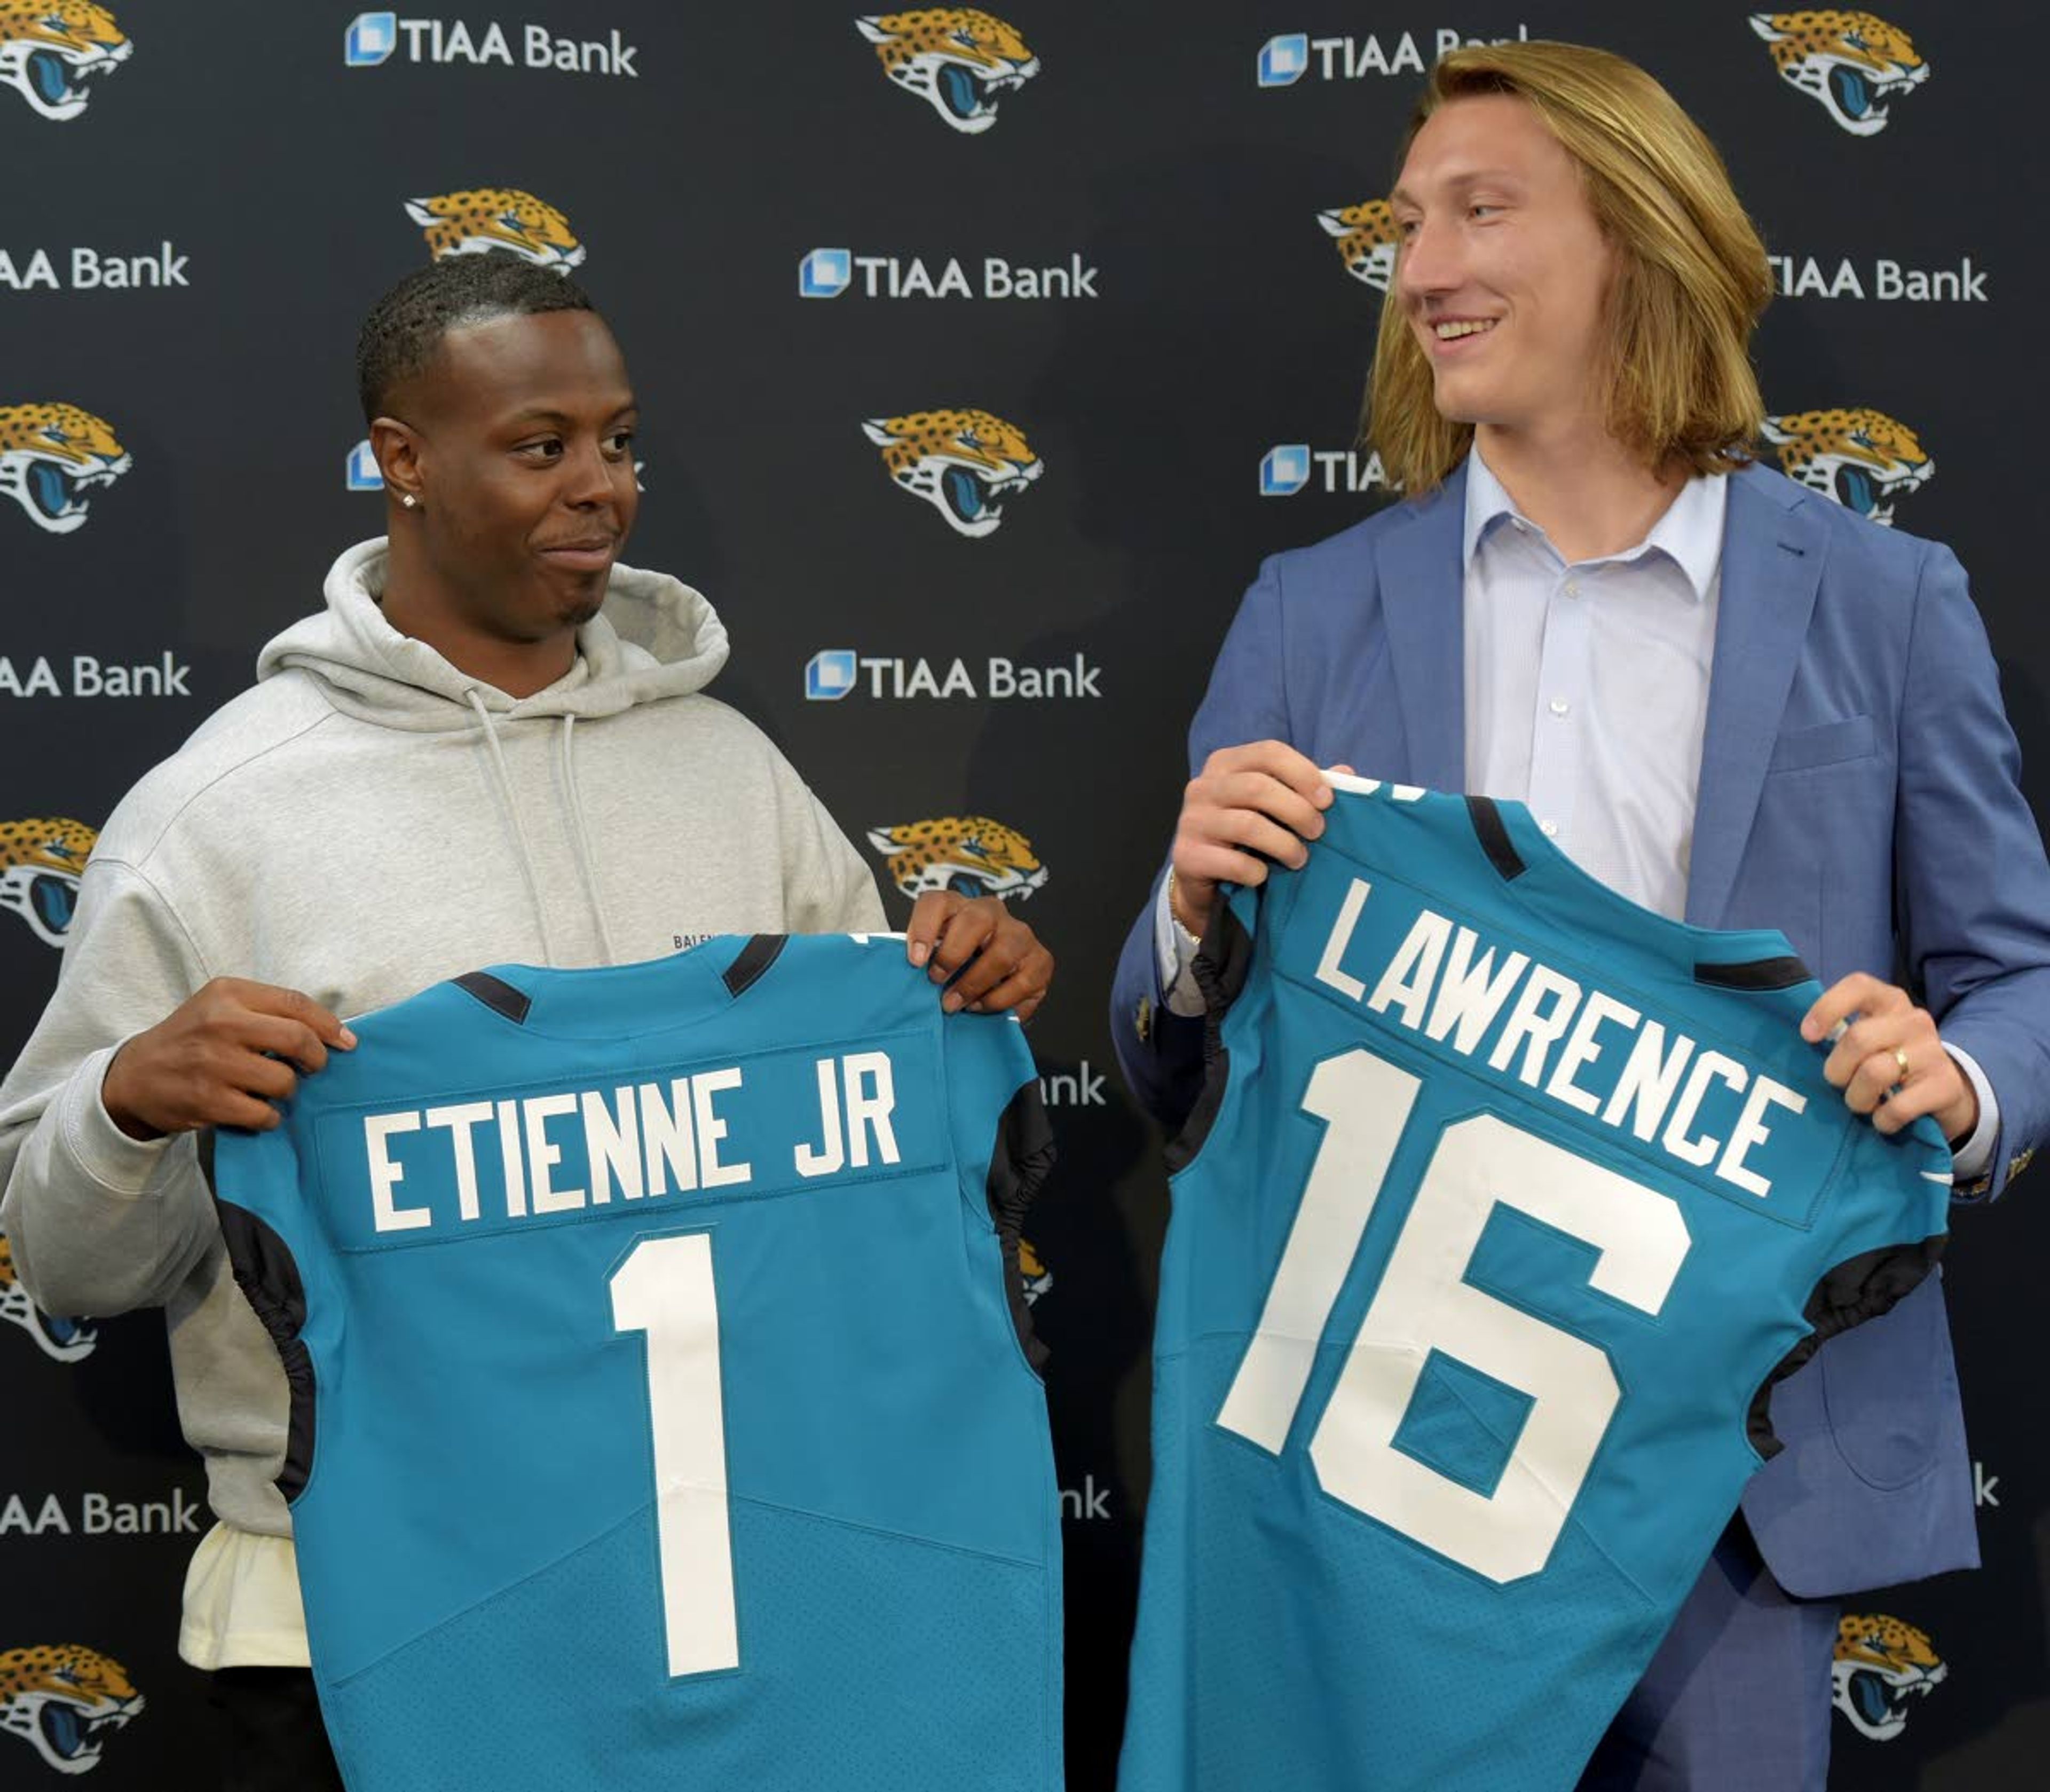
x=366, y=821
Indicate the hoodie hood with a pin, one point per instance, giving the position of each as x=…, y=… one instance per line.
x=654, y=637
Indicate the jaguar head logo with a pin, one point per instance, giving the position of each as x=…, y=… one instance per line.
x=477, y=222
x=1866, y=460
x=970, y=855
x=961, y=61
x=1367, y=240
x=64, y=1701
x=51, y=455
x=52, y=51
x=1854, y=65
x=963, y=463
x=1881, y=1666
x=40, y=862
x=1032, y=1269
x=66, y=1340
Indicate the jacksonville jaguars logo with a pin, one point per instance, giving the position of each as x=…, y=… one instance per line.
x=40, y=861
x=488, y=219
x=1866, y=460
x=959, y=60
x=1366, y=241
x=50, y=455
x=1881, y=1666
x=64, y=1701
x=51, y=51
x=963, y=463
x=1032, y=1269
x=1854, y=65
x=969, y=855
x=66, y=1340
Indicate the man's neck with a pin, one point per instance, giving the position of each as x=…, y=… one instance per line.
x=1589, y=494
x=517, y=668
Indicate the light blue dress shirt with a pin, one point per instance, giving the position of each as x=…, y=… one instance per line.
x=1586, y=692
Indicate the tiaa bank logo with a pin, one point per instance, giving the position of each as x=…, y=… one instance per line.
x=1367, y=240
x=1854, y=65
x=51, y=51
x=969, y=855
x=1881, y=1666
x=51, y=455
x=64, y=1701
x=1290, y=467
x=959, y=60
x=41, y=862
x=65, y=1340
x=1866, y=460
x=487, y=220
x=963, y=463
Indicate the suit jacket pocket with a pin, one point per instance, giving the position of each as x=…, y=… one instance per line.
x=1826, y=743
x=1884, y=1384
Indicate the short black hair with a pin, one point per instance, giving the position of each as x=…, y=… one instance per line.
x=405, y=327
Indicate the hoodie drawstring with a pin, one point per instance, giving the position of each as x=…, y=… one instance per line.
x=584, y=860
x=519, y=827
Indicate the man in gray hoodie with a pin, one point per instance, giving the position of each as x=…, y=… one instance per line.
x=422, y=782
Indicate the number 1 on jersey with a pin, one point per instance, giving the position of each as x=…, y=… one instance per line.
x=664, y=1289
x=1424, y=1303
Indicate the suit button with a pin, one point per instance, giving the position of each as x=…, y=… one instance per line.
x=1142, y=1020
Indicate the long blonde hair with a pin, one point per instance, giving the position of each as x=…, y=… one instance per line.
x=1692, y=276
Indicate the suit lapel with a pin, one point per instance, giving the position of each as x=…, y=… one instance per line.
x=1423, y=586
x=1772, y=566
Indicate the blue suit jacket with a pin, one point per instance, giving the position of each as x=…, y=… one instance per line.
x=1858, y=791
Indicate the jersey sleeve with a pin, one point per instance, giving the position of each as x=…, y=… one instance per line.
x=267, y=1229
x=1003, y=1140
x=1897, y=1192
x=1221, y=968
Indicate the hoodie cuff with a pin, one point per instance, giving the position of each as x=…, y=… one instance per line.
x=122, y=1165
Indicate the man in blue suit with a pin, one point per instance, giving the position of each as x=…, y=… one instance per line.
x=1727, y=697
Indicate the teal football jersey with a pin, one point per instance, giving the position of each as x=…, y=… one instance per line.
x=1505, y=1203
x=665, y=1408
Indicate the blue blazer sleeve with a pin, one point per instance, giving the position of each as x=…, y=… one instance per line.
x=1160, y=1053
x=1970, y=878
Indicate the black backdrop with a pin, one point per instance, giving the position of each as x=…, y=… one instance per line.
x=1188, y=388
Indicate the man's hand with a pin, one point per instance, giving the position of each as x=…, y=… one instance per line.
x=220, y=1058
x=1890, y=1063
x=1006, y=966
x=1265, y=798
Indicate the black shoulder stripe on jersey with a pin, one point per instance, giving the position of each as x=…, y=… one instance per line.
x=1754, y=974
x=1018, y=1166
x=1859, y=1288
x=753, y=959
x=497, y=994
x=1495, y=841
x=1221, y=968
x=269, y=1280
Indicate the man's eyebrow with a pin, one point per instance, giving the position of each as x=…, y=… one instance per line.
x=1461, y=179
x=548, y=414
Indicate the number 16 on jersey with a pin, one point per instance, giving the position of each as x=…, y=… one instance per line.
x=1424, y=1303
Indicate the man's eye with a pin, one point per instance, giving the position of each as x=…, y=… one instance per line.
x=619, y=442
x=548, y=448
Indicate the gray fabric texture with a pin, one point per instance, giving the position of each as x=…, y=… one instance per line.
x=364, y=822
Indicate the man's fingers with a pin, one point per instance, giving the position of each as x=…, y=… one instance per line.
x=1278, y=760
x=292, y=1040
x=295, y=1005
x=1220, y=864
x=1264, y=794
x=1025, y=988
x=1856, y=993
x=962, y=935
x=929, y=915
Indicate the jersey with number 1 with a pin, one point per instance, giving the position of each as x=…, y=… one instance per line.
x=1505, y=1202
x=662, y=1412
